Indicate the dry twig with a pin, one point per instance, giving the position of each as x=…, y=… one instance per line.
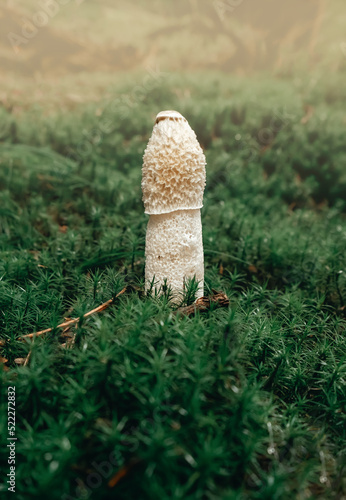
x=74, y=321
x=27, y=359
x=218, y=299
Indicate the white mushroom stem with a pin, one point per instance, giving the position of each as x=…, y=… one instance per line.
x=174, y=251
x=173, y=184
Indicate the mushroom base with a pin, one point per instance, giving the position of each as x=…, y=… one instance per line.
x=174, y=251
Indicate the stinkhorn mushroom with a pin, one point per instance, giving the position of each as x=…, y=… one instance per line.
x=173, y=181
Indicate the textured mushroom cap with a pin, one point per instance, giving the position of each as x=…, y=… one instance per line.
x=173, y=173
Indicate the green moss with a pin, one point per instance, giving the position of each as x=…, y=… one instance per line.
x=247, y=402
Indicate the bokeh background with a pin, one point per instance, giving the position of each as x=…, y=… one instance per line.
x=233, y=36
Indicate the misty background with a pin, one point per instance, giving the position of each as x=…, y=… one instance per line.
x=52, y=38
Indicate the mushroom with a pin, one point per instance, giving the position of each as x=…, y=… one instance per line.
x=173, y=181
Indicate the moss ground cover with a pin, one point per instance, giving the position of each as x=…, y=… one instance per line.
x=247, y=402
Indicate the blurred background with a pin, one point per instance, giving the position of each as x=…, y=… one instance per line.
x=56, y=38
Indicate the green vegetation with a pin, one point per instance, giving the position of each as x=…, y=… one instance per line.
x=238, y=403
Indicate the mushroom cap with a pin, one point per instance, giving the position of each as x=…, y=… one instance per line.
x=168, y=114
x=173, y=172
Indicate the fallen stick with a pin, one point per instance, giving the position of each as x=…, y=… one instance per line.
x=218, y=299
x=26, y=362
x=202, y=304
x=74, y=321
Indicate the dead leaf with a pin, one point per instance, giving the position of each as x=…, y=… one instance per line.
x=122, y=472
x=253, y=269
x=19, y=361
